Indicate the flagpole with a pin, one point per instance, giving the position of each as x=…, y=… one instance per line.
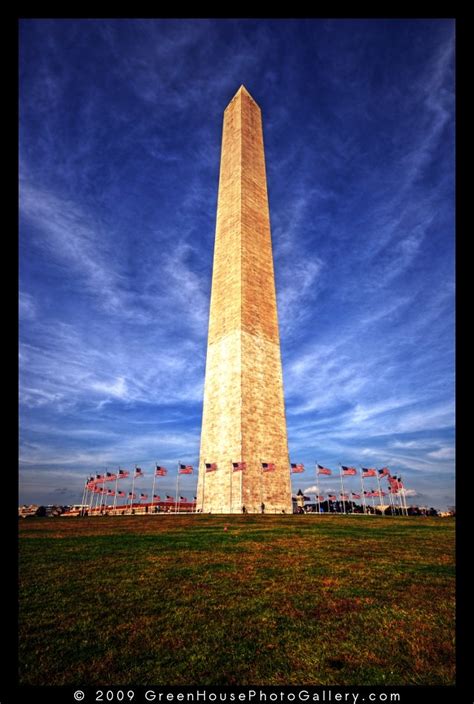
x=402, y=493
x=231, y=473
x=342, y=488
x=261, y=483
x=103, y=491
x=317, y=487
x=177, y=489
x=291, y=482
x=395, y=502
x=392, y=504
x=392, y=501
x=133, y=489
x=241, y=488
x=153, y=490
x=405, y=501
x=86, y=500
x=397, y=494
x=400, y=499
x=116, y=489
x=98, y=500
x=380, y=493
x=203, y=487
x=83, y=498
x=363, y=491
x=101, y=496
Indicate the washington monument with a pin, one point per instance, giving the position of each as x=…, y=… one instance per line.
x=244, y=447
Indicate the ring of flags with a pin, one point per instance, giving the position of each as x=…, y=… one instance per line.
x=99, y=493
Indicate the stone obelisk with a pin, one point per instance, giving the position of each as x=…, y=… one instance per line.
x=244, y=422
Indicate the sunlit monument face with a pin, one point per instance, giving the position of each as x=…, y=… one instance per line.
x=244, y=439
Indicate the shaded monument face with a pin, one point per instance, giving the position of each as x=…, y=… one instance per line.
x=244, y=412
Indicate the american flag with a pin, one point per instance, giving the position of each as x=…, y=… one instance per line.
x=393, y=490
x=319, y=498
x=332, y=497
x=369, y=472
x=211, y=466
x=109, y=477
x=348, y=471
x=384, y=472
x=90, y=485
x=344, y=497
x=267, y=467
x=143, y=496
x=155, y=496
x=99, y=478
x=138, y=472
x=185, y=469
x=295, y=468
x=183, y=498
x=160, y=471
x=169, y=498
x=237, y=466
x=123, y=474
x=323, y=470
x=120, y=493
x=355, y=496
x=131, y=496
x=110, y=492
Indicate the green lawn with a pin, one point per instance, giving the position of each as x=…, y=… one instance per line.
x=271, y=600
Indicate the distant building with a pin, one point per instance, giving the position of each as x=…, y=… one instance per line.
x=26, y=511
x=53, y=510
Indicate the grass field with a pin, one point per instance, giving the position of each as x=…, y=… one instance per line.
x=271, y=600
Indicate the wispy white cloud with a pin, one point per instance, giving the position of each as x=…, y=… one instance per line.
x=110, y=451
x=297, y=292
x=27, y=306
x=70, y=369
x=118, y=388
x=444, y=453
x=313, y=489
x=69, y=237
x=410, y=492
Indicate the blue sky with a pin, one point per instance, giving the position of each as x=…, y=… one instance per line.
x=120, y=129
